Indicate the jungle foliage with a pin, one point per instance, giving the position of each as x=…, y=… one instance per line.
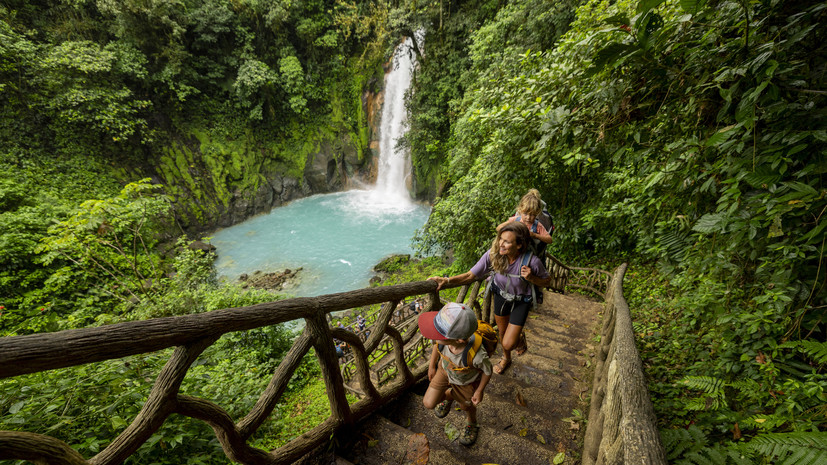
x=688, y=137
x=208, y=98
x=121, y=122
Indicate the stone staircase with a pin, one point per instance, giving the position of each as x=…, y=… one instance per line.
x=531, y=414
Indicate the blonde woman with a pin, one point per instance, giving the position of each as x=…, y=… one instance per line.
x=515, y=271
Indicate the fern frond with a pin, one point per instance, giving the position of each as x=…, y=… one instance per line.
x=698, y=459
x=716, y=456
x=710, y=223
x=702, y=403
x=708, y=384
x=745, y=385
x=674, y=243
x=740, y=456
x=792, y=448
x=708, y=456
x=680, y=442
x=764, y=422
x=697, y=435
x=699, y=453
x=800, y=456
x=816, y=350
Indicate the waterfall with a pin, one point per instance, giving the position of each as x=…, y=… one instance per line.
x=337, y=238
x=394, y=164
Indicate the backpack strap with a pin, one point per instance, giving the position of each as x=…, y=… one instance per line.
x=468, y=353
x=450, y=363
x=471, y=349
x=525, y=262
x=533, y=227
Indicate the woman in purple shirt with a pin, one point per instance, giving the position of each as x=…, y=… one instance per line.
x=514, y=275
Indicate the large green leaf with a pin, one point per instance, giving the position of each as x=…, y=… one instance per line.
x=645, y=5
x=710, y=223
x=692, y=6
x=609, y=55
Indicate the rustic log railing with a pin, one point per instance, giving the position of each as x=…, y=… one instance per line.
x=191, y=335
x=621, y=419
x=563, y=276
x=402, y=319
x=622, y=426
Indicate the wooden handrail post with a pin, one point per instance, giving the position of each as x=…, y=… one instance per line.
x=278, y=383
x=161, y=402
x=329, y=363
x=622, y=426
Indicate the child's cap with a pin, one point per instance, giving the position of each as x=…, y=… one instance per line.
x=453, y=321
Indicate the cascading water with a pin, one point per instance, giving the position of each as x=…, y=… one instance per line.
x=394, y=162
x=336, y=238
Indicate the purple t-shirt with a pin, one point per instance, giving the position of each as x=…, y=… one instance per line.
x=515, y=285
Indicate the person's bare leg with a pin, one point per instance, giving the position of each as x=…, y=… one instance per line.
x=472, y=415
x=512, y=337
x=432, y=398
x=503, y=328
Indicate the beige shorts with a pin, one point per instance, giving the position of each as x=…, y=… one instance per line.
x=461, y=393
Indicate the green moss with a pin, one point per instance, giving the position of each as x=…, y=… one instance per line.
x=169, y=174
x=232, y=158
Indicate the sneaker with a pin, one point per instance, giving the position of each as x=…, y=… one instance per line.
x=442, y=410
x=469, y=435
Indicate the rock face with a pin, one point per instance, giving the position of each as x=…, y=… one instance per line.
x=228, y=191
x=202, y=246
x=272, y=281
x=219, y=183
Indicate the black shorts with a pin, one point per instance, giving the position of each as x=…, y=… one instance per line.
x=517, y=309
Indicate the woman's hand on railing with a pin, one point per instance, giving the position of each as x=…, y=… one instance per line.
x=458, y=280
x=440, y=281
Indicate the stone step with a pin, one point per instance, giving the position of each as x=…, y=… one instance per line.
x=379, y=441
x=525, y=417
x=496, y=411
x=509, y=433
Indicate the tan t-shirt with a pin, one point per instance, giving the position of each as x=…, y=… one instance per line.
x=480, y=364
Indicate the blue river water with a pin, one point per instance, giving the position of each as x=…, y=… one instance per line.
x=335, y=238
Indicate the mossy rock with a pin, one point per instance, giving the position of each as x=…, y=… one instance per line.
x=392, y=263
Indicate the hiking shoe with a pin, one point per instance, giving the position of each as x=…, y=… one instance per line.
x=469, y=435
x=442, y=410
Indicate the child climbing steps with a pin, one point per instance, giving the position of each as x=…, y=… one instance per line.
x=453, y=377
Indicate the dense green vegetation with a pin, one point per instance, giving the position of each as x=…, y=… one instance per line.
x=686, y=137
x=213, y=100
x=124, y=124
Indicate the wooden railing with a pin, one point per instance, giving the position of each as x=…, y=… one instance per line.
x=620, y=418
x=403, y=319
x=191, y=335
x=563, y=276
x=622, y=426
